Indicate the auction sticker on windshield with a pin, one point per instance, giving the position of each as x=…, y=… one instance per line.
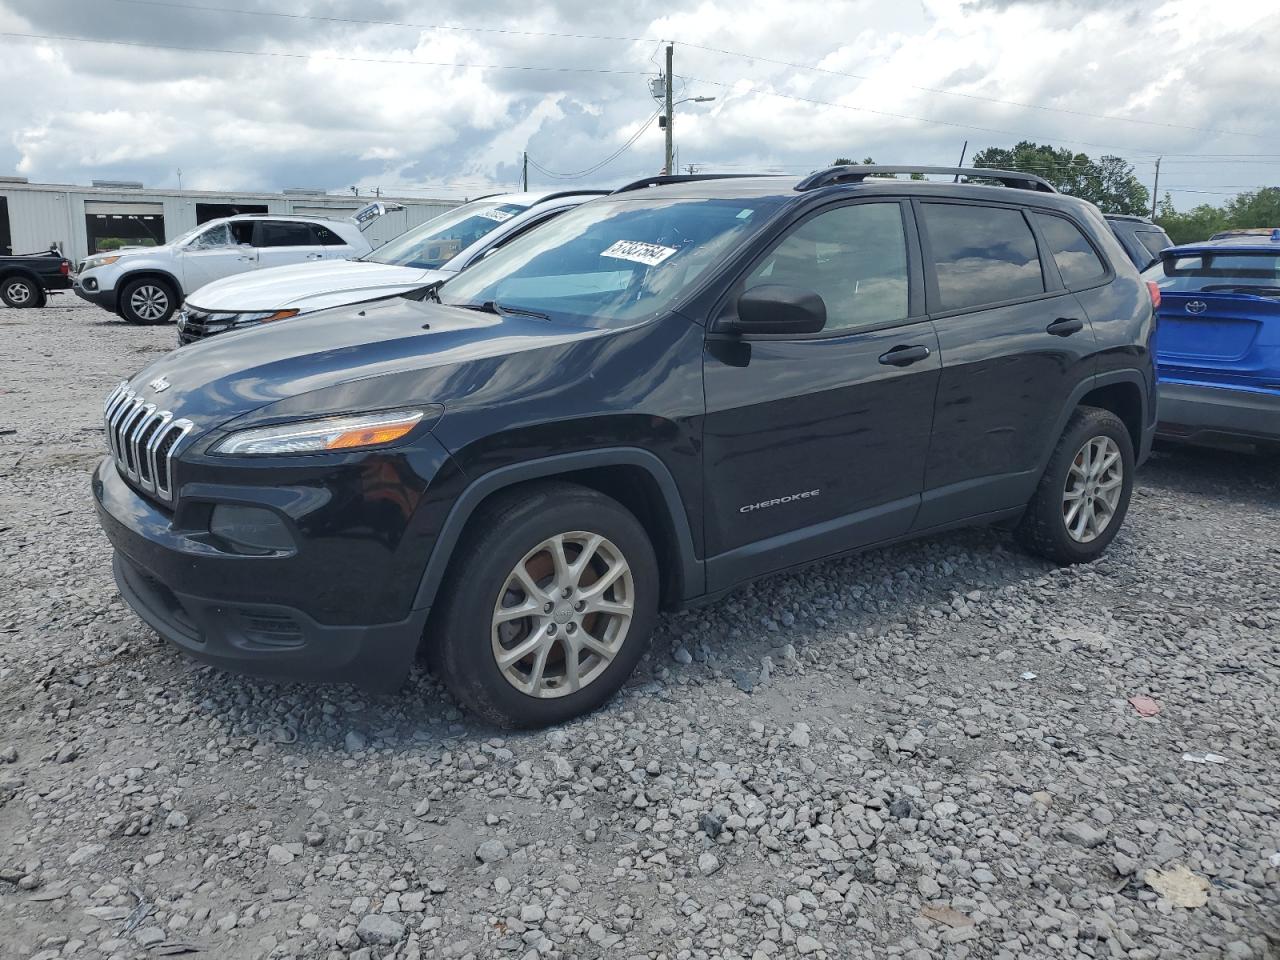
x=650, y=254
x=501, y=216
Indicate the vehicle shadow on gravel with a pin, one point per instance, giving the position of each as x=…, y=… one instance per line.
x=745, y=643
x=1241, y=475
x=749, y=641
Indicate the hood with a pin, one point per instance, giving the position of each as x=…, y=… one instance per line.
x=94, y=258
x=340, y=360
x=310, y=286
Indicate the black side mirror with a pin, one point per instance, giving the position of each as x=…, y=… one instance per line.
x=779, y=309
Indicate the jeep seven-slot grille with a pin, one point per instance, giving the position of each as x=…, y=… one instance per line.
x=143, y=440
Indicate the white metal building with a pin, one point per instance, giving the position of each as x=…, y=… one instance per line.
x=83, y=220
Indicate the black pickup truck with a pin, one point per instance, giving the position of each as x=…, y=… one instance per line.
x=26, y=278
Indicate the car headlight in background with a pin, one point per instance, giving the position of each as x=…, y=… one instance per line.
x=264, y=317
x=91, y=264
x=321, y=436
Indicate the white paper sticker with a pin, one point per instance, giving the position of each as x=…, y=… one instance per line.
x=650, y=254
x=500, y=216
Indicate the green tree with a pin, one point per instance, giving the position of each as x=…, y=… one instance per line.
x=1258, y=208
x=1108, y=181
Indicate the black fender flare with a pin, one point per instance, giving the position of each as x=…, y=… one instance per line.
x=693, y=576
x=9, y=272
x=1084, y=388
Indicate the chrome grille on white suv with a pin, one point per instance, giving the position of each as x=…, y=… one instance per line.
x=143, y=440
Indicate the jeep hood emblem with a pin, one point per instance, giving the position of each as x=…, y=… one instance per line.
x=159, y=384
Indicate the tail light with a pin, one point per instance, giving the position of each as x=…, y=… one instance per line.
x=1154, y=289
x=65, y=268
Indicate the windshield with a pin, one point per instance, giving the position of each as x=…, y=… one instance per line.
x=439, y=240
x=1234, y=271
x=611, y=261
x=179, y=241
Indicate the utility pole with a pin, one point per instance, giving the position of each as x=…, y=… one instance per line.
x=671, y=120
x=524, y=174
x=1155, y=190
x=963, y=151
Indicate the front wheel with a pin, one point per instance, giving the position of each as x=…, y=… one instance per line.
x=1084, y=493
x=548, y=607
x=147, y=301
x=19, y=292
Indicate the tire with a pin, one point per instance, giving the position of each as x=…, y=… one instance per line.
x=1092, y=436
x=147, y=301
x=515, y=532
x=21, y=292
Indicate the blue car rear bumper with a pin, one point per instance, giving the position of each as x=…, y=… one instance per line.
x=1205, y=414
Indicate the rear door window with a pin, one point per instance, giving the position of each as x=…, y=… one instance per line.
x=283, y=233
x=1077, y=261
x=981, y=255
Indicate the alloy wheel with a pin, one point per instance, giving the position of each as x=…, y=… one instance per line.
x=563, y=614
x=1095, y=481
x=149, y=302
x=18, y=294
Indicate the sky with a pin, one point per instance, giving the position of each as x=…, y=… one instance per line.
x=442, y=99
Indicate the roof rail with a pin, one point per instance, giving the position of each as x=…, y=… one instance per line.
x=856, y=173
x=665, y=178
x=573, y=193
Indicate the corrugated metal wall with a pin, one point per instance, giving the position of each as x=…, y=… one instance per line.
x=40, y=215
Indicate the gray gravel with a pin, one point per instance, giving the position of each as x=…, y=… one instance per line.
x=926, y=751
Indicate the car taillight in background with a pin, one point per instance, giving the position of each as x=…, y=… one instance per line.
x=1154, y=290
x=65, y=268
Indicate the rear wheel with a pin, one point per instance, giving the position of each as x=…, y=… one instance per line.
x=1084, y=494
x=549, y=605
x=19, y=292
x=147, y=301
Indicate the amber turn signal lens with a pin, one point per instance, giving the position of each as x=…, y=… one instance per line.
x=370, y=437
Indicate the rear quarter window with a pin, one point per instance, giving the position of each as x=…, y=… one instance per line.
x=981, y=255
x=1077, y=261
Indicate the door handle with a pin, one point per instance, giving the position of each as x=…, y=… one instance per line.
x=1065, y=326
x=315, y=256
x=904, y=355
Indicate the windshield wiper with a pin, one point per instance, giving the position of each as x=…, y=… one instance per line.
x=501, y=310
x=1258, y=290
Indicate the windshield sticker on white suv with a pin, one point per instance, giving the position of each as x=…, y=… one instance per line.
x=499, y=216
x=650, y=254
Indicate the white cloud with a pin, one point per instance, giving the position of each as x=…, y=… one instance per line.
x=324, y=119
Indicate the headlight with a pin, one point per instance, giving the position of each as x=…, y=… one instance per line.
x=92, y=264
x=321, y=436
x=267, y=317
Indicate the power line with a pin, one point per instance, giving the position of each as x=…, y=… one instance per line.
x=609, y=159
x=360, y=21
x=696, y=46
x=326, y=57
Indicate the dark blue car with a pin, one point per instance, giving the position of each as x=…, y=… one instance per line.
x=1218, y=342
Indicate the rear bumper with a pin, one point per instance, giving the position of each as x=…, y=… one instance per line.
x=1205, y=414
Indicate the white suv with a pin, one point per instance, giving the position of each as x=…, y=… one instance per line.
x=434, y=251
x=146, y=284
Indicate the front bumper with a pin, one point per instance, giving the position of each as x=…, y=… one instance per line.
x=106, y=299
x=260, y=615
x=1202, y=414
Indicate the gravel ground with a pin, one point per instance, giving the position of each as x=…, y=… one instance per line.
x=927, y=751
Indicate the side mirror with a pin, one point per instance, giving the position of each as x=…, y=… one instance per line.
x=779, y=308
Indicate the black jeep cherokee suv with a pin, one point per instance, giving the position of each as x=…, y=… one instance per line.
x=663, y=394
